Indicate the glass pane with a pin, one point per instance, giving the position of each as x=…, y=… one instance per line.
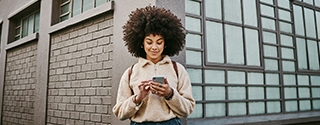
x=236, y=93
x=193, y=40
x=298, y=20
x=87, y=5
x=317, y=3
x=308, y=1
x=255, y=92
x=232, y=11
x=290, y=92
x=273, y=107
x=284, y=15
x=249, y=12
x=256, y=108
x=65, y=9
x=195, y=75
x=18, y=31
x=288, y=66
x=197, y=112
x=313, y=55
x=268, y=23
x=36, y=22
x=272, y=79
x=316, y=104
x=301, y=53
x=284, y=4
x=193, y=24
x=303, y=80
x=215, y=93
x=197, y=93
x=252, y=47
x=192, y=7
x=287, y=53
x=273, y=93
x=214, y=76
x=315, y=92
x=234, y=45
x=213, y=8
x=318, y=22
x=291, y=106
x=65, y=17
x=31, y=24
x=289, y=79
x=304, y=92
x=76, y=7
x=100, y=2
x=255, y=78
x=305, y=105
x=269, y=37
x=63, y=1
x=215, y=47
x=271, y=64
x=237, y=109
x=24, y=27
x=315, y=80
x=285, y=27
x=215, y=109
x=270, y=51
x=267, y=10
x=267, y=1
x=236, y=77
x=310, y=22
x=193, y=57
x=286, y=40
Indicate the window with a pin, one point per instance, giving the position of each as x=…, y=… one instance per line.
x=27, y=25
x=244, y=57
x=71, y=8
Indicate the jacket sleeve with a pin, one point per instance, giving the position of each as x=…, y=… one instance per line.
x=182, y=102
x=124, y=107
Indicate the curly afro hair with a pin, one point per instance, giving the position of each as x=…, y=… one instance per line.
x=156, y=21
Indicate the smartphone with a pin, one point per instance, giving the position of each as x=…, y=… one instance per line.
x=159, y=79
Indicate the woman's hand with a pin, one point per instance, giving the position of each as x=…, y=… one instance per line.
x=144, y=91
x=160, y=89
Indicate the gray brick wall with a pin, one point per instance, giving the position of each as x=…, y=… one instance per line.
x=19, y=85
x=80, y=73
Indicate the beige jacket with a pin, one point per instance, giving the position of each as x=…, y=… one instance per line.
x=153, y=107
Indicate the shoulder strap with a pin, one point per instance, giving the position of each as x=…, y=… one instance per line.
x=175, y=68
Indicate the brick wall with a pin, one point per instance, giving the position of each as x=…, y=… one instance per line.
x=19, y=85
x=79, y=89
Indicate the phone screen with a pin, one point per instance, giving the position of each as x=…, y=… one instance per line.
x=159, y=79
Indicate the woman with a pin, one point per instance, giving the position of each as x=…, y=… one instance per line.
x=153, y=34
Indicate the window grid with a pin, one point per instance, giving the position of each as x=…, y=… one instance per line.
x=24, y=27
x=278, y=94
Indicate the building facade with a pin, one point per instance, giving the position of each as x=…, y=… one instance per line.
x=249, y=61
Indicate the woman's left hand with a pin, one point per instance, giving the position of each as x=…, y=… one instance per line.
x=160, y=89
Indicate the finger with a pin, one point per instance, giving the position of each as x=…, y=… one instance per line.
x=165, y=80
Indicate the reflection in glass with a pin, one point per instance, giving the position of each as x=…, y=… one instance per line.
x=31, y=24
x=284, y=14
x=313, y=55
x=214, y=76
x=237, y=108
x=215, y=109
x=256, y=108
x=215, y=93
x=193, y=24
x=232, y=11
x=236, y=77
x=270, y=51
x=36, y=22
x=214, y=41
x=310, y=22
x=303, y=80
x=100, y=2
x=305, y=105
x=249, y=12
x=288, y=66
x=285, y=27
x=195, y=75
x=290, y=92
x=192, y=7
x=272, y=79
x=234, y=45
x=255, y=92
x=268, y=23
x=298, y=20
x=193, y=40
x=267, y=10
x=273, y=93
x=289, y=79
x=193, y=58
x=87, y=5
x=315, y=92
x=255, y=78
x=284, y=4
x=24, y=27
x=316, y=104
x=271, y=64
x=291, y=106
x=269, y=37
x=315, y=80
x=287, y=53
x=252, y=47
x=304, y=92
x=213, y=8
x=286, y=40
x=236, y=93
x=273, y=107
x=76, y=7
x=301, y=53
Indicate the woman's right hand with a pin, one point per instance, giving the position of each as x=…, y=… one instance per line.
x=144, y=88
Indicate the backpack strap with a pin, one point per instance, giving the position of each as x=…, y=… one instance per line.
x=130, y=72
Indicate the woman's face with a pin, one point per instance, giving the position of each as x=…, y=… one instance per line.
x=153, y=46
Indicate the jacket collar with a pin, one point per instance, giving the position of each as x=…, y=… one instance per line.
x=143, y=62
